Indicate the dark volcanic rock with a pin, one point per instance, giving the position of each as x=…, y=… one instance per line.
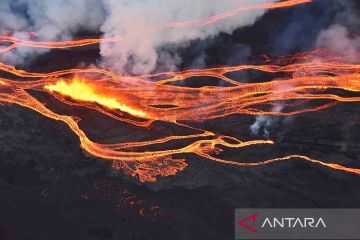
x=44, y=175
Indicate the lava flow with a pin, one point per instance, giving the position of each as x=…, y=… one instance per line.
x=315, y=77
x=308, y=79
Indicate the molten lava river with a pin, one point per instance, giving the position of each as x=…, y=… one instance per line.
x=316, y=77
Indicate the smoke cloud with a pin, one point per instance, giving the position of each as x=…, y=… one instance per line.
x=55, y=20
x=342, y=37
x=337, y=39
x=142, y=49
x=336, y=30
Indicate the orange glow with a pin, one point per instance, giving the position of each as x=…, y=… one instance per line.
x=233, y=12
x=306, y=79
x=84, y=91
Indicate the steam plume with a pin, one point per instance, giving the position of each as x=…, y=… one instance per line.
x=55, y=20
x=142, y=49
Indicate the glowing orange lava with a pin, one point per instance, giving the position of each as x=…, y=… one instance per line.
x=308, y=78
x=85, y=91
x=145, y=100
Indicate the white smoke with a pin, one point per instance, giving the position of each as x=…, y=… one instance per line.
x=261, y=126
x=10, y=19
x=142, y=49
x=338, y=39
x=54, y=20
x=263, y=123
x=342, y=37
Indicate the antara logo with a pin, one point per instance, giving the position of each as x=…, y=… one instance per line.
x=249, y=223
x=291, y=222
